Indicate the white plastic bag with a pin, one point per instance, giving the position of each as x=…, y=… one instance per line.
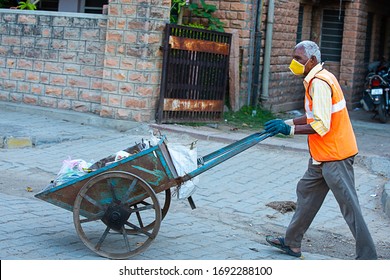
x=185, y=160
x=121, y=155
x=71, y=169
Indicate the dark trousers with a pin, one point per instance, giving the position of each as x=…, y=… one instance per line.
x=337, y=176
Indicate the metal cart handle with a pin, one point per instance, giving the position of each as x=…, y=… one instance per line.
x=223, y=154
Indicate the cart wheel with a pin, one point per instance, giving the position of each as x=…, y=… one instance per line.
x=164, y=199
x=108, y=218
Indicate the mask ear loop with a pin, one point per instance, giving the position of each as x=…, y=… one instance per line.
x=308, y=61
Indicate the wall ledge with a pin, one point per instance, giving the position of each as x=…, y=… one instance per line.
x=50, y=13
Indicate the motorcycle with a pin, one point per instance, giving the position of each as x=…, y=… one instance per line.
x=376, y=95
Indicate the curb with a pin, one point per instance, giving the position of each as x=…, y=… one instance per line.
x=72, y=116
x=11, y=142
x=229, y=137
x=19, y=142
x=204, y=135
x=386, y=199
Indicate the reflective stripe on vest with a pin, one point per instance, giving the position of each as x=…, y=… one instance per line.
x=337, y=107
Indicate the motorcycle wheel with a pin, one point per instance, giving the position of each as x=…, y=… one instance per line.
x=382, y=112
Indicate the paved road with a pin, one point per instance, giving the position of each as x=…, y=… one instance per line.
x=231, y=218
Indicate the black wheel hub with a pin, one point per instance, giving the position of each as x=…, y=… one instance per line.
x=115, y=217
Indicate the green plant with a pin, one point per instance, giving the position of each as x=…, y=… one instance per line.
x=177, y=10
x=195, y=25
x=179, y=4
x=28, y=5
x=206, y=11
x=248, y=117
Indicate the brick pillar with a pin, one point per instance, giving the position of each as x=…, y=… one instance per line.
x=132, y=64
x=352, y=68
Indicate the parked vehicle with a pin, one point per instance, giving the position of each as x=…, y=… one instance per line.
x=376, y=95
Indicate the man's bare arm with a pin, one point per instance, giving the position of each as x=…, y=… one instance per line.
x=301, y=127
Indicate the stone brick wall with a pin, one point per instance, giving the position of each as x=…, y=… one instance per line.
x=52, y=59
x=353, y=68
x=106, y=65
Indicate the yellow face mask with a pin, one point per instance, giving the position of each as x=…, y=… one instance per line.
x=297, y=68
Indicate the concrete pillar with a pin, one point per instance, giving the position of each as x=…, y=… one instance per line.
x=69, y=6
x=132, y=65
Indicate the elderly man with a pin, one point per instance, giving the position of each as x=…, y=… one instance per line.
x=332, y=147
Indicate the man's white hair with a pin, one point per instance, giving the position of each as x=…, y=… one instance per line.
x=311, y=49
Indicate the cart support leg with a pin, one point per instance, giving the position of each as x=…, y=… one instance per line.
x=191, y=202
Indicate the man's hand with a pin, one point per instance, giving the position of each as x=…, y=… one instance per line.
x=277, y=126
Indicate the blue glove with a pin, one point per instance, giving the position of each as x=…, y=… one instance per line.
x=277, y=126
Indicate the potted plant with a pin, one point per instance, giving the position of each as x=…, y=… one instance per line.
x=27, y=5
x=203, y=10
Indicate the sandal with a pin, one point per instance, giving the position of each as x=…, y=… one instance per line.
x=282, y=246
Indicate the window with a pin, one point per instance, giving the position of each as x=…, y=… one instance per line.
x=94, y=6
x=48, y=5
x=82, y=6
x=332, y=35
x=300, y=24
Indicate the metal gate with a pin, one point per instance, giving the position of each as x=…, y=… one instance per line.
x=195, y=75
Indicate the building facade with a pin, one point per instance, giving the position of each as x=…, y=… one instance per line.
x=350, y=34
x=70, y=56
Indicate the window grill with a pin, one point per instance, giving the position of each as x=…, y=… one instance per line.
x=367, y=49
x=300, y=24
x=332, y=35
x=195, y=75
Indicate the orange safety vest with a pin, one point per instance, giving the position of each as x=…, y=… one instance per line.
x=339, y=142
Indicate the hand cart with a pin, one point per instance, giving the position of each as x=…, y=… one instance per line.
x=118, y=208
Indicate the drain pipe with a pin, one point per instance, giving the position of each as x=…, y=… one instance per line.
x=267, y=50
x=256, y=70
x=251, y=54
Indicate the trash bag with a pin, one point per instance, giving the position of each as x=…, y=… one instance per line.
x=121, y=155
x=71, y=169
x=184, y=159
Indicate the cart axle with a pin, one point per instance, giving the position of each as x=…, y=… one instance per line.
x=115, y=217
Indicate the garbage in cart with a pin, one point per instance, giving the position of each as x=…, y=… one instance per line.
x=184, y=158
x=71, y=169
